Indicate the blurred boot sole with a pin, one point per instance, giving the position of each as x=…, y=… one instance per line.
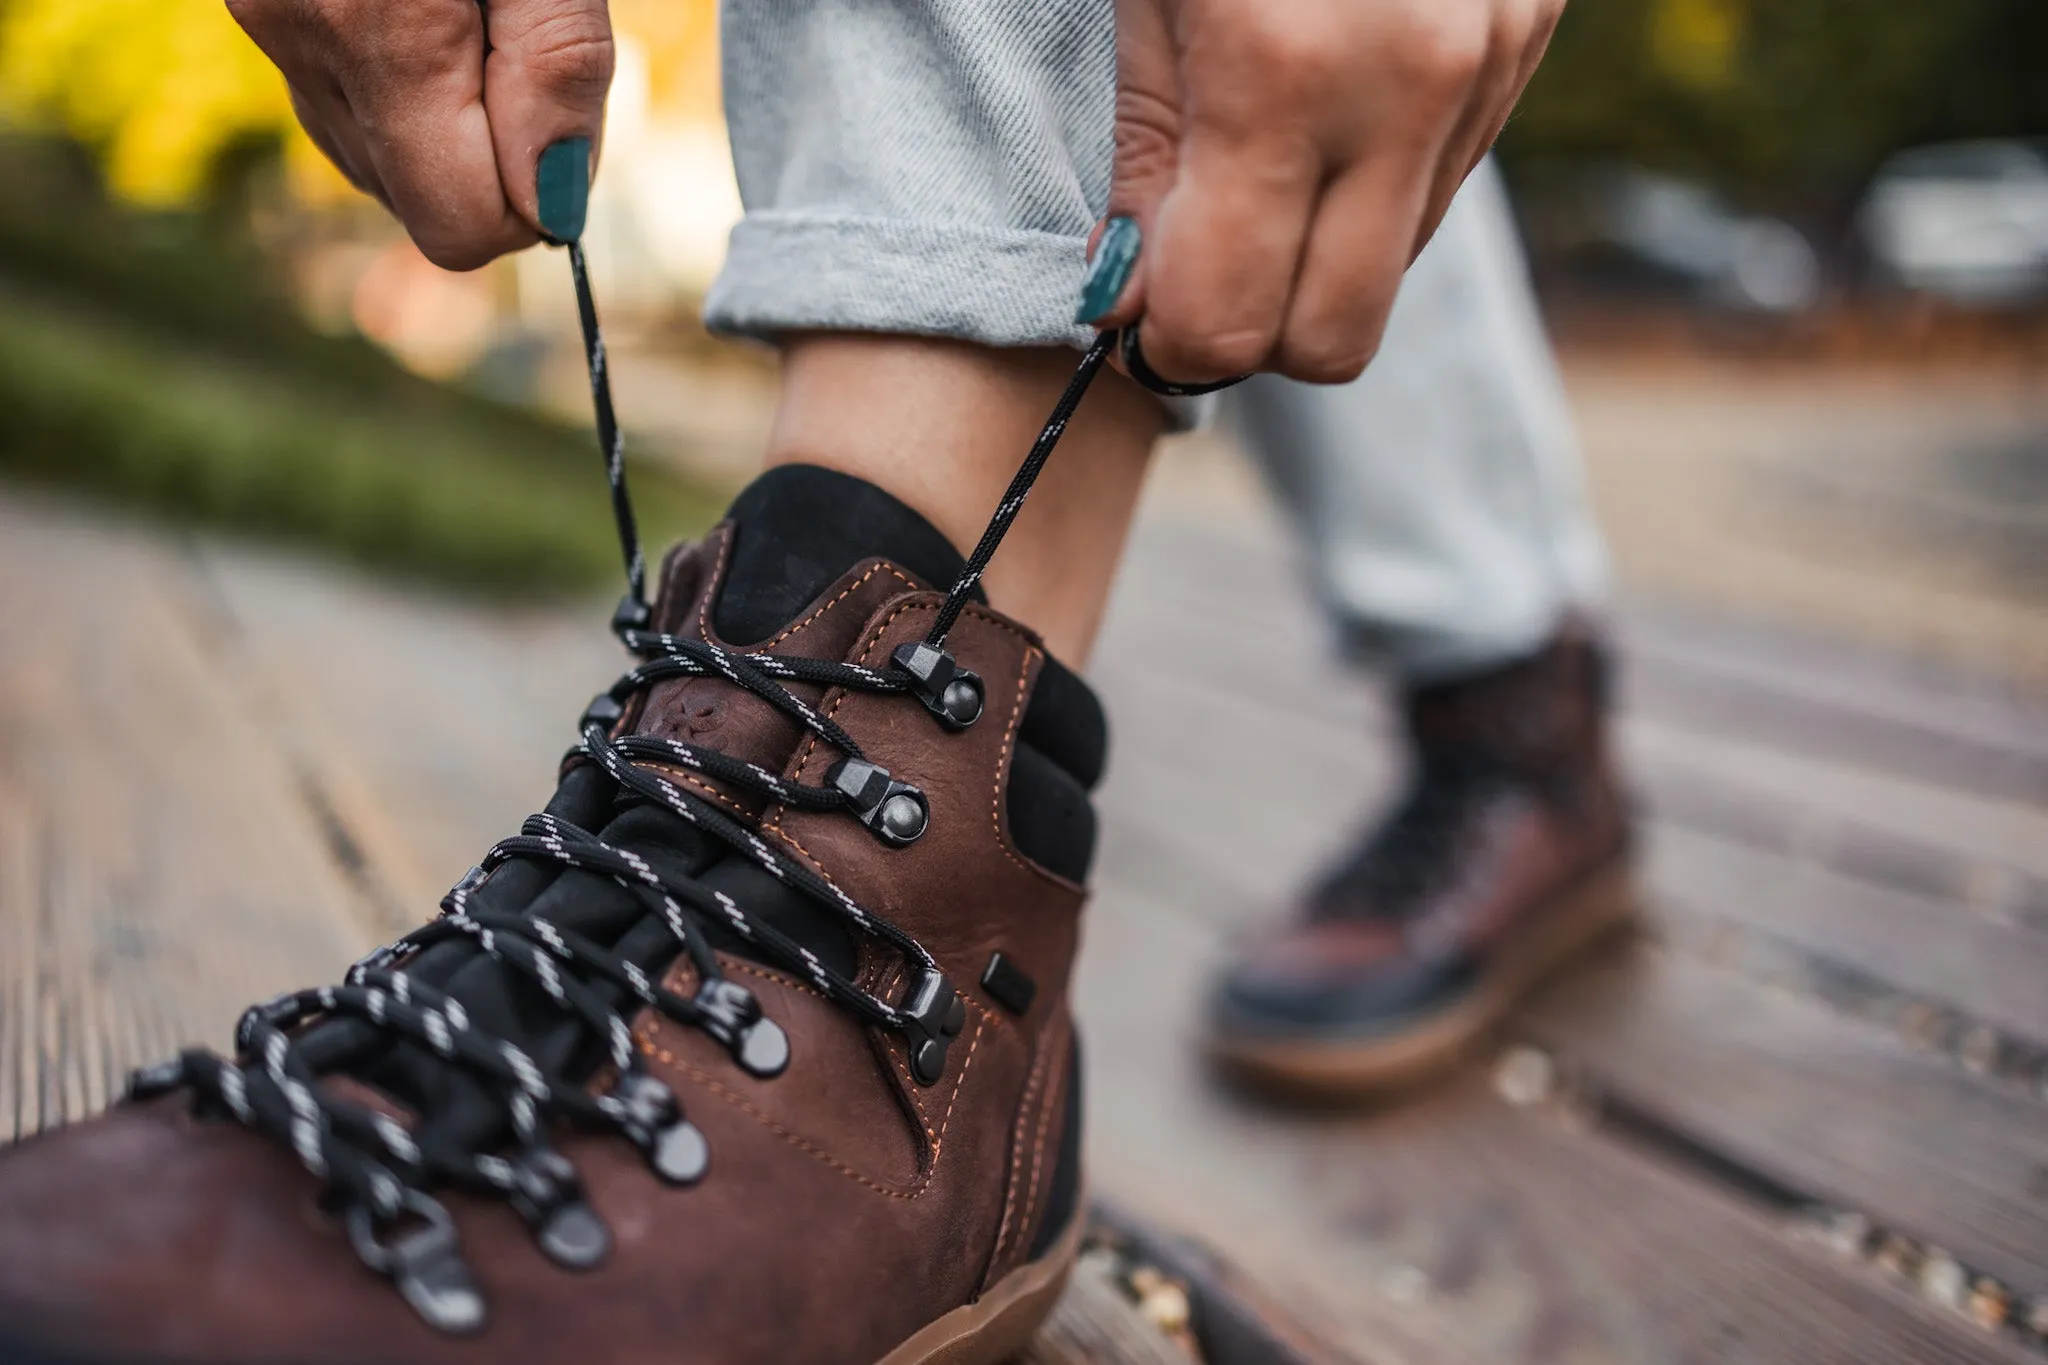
x=1349, y=1068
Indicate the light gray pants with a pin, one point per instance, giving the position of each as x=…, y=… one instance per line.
x=935, y=166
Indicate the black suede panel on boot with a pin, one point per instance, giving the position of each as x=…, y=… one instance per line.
x=798, y=527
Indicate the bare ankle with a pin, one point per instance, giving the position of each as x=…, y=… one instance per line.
x=943, y=425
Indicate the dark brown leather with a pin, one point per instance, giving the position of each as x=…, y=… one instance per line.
x=845, y=1205
x=1527, y=807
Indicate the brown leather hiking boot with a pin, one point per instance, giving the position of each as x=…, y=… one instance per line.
x=1506, y=857
x=752, y=1049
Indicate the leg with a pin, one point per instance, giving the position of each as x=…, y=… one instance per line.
x=863, y=255
x=942, y=425
x=1440, y=498
x=1440, y=493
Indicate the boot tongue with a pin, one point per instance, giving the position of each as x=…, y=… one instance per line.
x=794, y=533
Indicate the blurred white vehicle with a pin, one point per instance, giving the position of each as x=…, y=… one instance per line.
x=1964, y=221
x=1741, y=261
x=1626, y=232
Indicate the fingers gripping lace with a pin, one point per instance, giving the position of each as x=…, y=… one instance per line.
x=377, y=1169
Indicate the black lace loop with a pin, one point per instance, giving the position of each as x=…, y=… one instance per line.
x=378, y=1170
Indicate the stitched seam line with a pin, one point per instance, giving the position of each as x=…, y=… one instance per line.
x=713, y=586
x=1044, y=1130
x=699, y=785
x=916, y=1188
x=1016, y=1160
x=811, y=742
x=779, y=978
x=878, y=567
x=902, y=1069
x=1031, y=653
x=796, y=1140
x=685, y=970
x=995, y=799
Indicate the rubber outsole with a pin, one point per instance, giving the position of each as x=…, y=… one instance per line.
x=998, y=1324
x=1327, y=1069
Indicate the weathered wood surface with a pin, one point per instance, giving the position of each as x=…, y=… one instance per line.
x=1822, y=1104
x=222, y=773
x=1204, y=836
x=158, y=866
x=1096, y=1322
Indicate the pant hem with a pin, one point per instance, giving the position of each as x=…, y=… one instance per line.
x=1419, y=657
x=791, y=272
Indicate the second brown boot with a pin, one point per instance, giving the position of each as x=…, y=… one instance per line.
x=1506, y=857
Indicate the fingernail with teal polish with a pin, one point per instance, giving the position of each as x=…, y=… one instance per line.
x=562, y=181
x=1116, y=251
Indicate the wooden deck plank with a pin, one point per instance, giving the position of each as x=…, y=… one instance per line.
x=169, y=873
x=1916, y=718
x=1995, y=972
x=1096, y=1323
x=1455, y=1228
x=1988, y=831
x=1292, y=795
x=1883, y=773
x=1730, y=693
x=1829, y=1107
x=1893, y=898
x=1221, y=844
x=434, y=724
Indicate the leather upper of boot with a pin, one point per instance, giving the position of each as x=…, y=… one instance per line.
x=846, y=1202
x=1511, y=801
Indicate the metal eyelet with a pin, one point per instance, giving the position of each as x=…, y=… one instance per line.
x=934, y=1014
x=732, y=1016
x=548, y=1195
x=896, y=811
x=948, y=691
x=425, y=1264
x=651, y=1118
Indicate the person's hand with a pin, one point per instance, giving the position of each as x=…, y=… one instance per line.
x=415, y=106
x=1283, y=163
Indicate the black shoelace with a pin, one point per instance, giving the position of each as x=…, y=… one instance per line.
x=378, y=1173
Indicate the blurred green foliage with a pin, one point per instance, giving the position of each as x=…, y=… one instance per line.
x=146, y=357
x=1788, y=104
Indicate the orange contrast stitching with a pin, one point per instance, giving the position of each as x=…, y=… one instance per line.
x=917, y=1187
x=700, y=785
x=712, y=586
x=995, y=800
x=1044, y=1129
x=878, y=567
x=1016, y=1159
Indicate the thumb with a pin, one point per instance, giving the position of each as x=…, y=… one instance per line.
x=1148, y=127
x=545, y=80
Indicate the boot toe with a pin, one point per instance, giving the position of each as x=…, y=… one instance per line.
x=1332, y=981
x=145, y=1235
